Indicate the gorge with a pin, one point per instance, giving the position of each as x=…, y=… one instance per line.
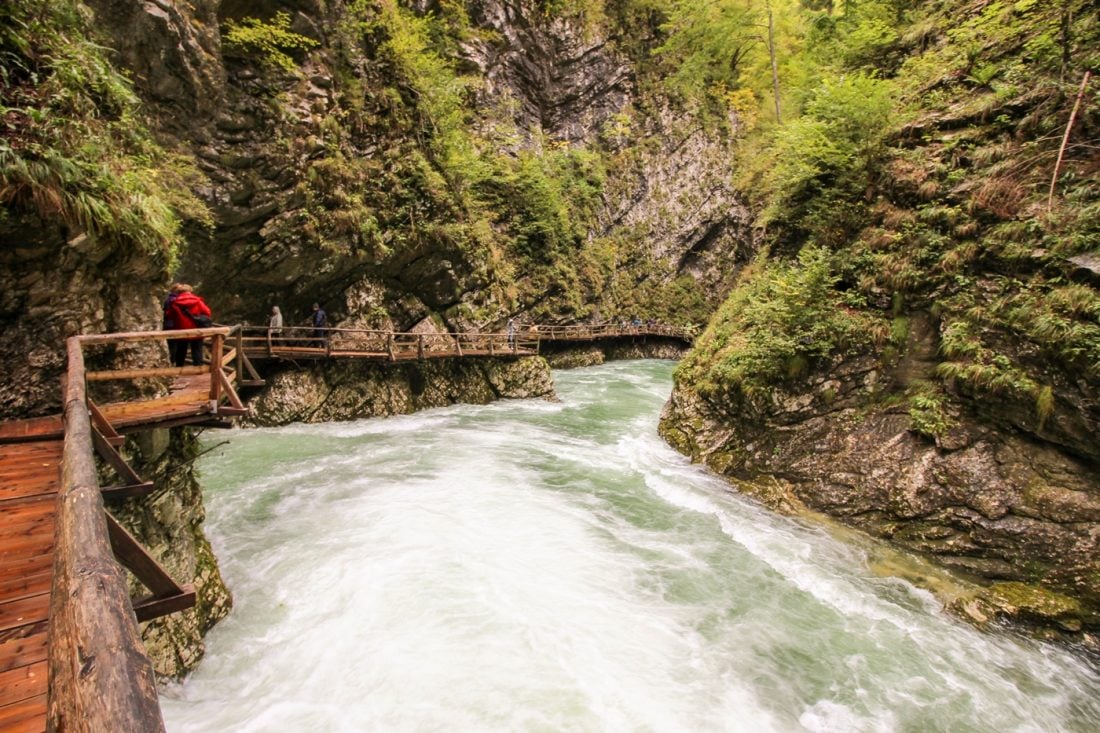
x=892, y=267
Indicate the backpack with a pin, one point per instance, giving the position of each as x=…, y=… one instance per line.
x=201, y=319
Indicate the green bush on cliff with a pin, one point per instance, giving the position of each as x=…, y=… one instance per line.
x=781, y=320
x=272, y=42
x=75, y=147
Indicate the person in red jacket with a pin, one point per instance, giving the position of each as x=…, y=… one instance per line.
x=188, y=311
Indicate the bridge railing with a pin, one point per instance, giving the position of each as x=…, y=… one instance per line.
x=393, y=345
x=591, y=332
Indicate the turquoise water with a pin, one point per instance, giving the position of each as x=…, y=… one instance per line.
x=536, y=566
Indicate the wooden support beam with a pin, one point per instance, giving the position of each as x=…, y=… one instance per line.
x=216, y=369
x=108, y=453
x=228, y=391
x=127, y=492
x=255, y=380
x=134, y=558
x=103, y=425
x=150, y=607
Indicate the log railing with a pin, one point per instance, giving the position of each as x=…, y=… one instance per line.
x=100, y=678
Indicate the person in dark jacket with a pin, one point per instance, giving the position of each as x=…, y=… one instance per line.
x=169, y=323
x=189, y=311
x=319, y=320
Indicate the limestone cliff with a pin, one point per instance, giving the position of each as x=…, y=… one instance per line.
x=926, y=369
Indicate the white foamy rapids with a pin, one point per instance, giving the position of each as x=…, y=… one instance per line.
x=555, y=567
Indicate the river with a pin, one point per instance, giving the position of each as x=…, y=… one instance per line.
x=537, y=566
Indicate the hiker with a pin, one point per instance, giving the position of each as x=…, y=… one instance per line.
x=186, y=311
x=169, y=322
x=276, y=322
x=511, y=333
x=318, y=320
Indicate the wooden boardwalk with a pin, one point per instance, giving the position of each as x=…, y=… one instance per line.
x=32, y=452
x=29, y=480
x=294, y=343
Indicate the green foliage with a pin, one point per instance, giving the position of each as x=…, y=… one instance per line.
x=272, y=42
x=781, y=319
x=440, y=93
x=825, y=155
x=75, y=146
x=928, y=410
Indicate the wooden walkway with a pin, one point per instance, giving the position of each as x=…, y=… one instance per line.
x=29, y=479
x=31, y=455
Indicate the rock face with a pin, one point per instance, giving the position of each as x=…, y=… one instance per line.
x=563, y=356
x=343, y=390
x=1002, y=505
x=567, y=80
x=168, y=523
x=53, y=284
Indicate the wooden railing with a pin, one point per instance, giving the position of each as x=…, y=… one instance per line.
x=100, y=677
x=259, y=341
x=593, y=332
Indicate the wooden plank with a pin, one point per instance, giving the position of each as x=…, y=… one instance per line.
x=22, y=611
x=25, y=716
x=22, y=683
x=24, y=585
x=23, y=645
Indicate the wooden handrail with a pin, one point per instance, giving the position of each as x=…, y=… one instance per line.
x=100, y=677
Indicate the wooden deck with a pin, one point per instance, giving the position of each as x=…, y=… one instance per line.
x=29, y=480
x=30, y=457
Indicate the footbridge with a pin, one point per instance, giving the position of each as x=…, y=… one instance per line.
x=71, y=657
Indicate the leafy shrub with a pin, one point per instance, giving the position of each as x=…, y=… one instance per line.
x=75, y=146
x=272, y=42
x=780, y=320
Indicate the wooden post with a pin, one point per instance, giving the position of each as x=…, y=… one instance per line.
x=419, y=346
x=215, y=366
x=458, y=345
x=100, y=678
x=240, y=353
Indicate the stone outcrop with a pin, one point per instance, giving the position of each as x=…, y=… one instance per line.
x=565, y=356
x=168, y=523
x=988, y=497
x=343, y=390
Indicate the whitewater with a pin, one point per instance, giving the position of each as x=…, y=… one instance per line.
x=554, y=566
